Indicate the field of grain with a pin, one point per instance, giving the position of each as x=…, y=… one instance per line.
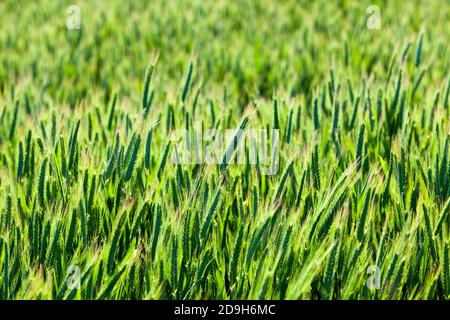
x=104, y=106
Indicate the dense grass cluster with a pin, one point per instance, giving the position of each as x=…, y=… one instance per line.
x=88, y=186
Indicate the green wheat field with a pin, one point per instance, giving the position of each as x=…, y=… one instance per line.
x=94, y=205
